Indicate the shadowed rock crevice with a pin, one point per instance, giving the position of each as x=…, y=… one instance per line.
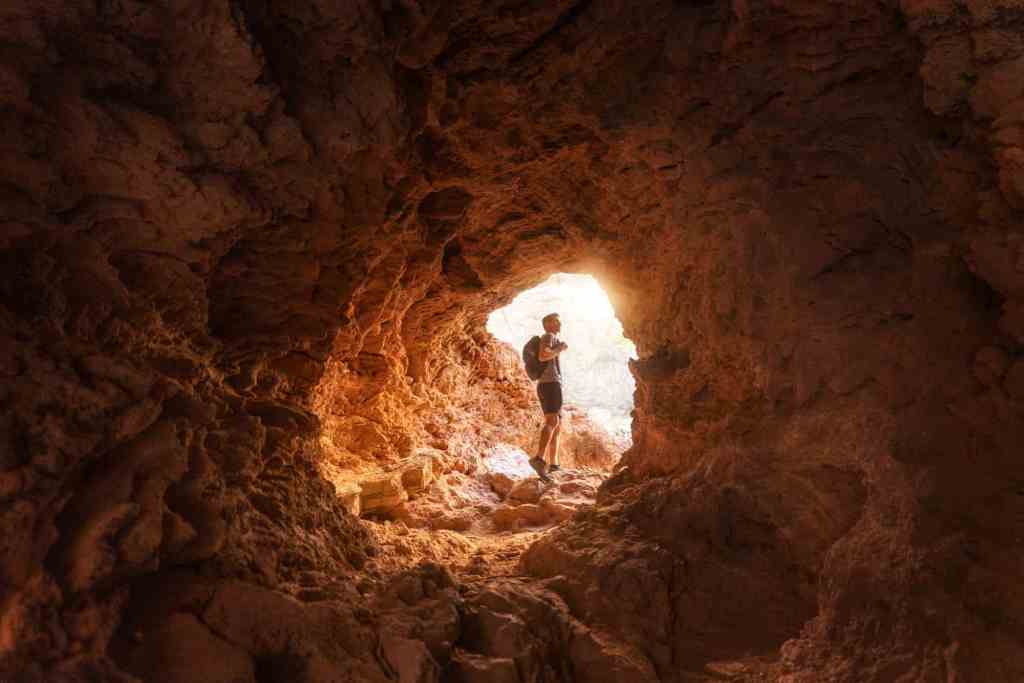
x=249, y=250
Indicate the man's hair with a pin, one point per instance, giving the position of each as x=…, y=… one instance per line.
x=546, y=319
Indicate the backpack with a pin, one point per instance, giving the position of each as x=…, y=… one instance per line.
x=534, y=368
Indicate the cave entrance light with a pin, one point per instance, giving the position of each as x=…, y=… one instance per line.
x=596, y=368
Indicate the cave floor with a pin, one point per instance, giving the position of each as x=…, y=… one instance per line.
x=468, y=555
x=497, y=515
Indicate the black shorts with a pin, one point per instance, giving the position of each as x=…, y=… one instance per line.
x=550, y=395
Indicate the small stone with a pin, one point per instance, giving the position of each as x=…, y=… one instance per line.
x=455, y=522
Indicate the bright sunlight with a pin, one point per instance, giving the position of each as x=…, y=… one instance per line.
x=596, y=375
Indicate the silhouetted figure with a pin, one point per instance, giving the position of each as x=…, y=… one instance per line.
x=549, y=391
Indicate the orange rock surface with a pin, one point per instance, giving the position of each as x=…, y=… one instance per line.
x=248, y=249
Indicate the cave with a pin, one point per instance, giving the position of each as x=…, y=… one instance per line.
x=249, y=249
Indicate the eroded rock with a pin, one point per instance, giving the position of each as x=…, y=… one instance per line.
x=247, y=246
x=410, y=659
x=382, y=494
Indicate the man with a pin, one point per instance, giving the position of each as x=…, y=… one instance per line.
x=549, y=391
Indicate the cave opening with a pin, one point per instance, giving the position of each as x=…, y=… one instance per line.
x=596, y=376
x=430, y=447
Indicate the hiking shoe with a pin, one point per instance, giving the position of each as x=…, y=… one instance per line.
x=553, y=467
x=541, y=468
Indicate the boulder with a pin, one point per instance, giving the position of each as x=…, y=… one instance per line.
x=382, y=493
x=497, y=633
x=555, y=511
x=500, y=483
x=417, y=473
x=505, y=466
x=515, y=516
x=410, y=659
x=183, y=649
x=526, y=491
x=597, y=658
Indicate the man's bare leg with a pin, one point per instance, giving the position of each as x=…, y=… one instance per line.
x=553, y=442
x=550, y=425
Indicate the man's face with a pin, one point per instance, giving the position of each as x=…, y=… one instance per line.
x=555, y=325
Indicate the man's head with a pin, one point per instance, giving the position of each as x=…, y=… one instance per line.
x=552, y=323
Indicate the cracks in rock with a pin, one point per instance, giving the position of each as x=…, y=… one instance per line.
x=899, y=317
x=563, y=22
x=457, y=48
x=988, y=298
x=546, y=231
x=728, y=131
x=893, y=238
x=898, y=239
x=843, y=259
x=853, y=78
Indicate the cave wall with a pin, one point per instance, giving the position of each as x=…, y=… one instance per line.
x=829, y=326
x=376, y=417
x=807, y=215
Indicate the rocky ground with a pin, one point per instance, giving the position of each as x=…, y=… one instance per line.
x=503, y=503
x=476, y=518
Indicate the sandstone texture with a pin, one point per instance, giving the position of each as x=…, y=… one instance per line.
x=249, y=405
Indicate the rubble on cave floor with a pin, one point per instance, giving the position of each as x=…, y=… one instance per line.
x=475, y=516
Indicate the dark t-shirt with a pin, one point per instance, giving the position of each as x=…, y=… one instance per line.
x=552, y=370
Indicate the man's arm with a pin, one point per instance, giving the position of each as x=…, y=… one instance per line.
x=548, y=352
